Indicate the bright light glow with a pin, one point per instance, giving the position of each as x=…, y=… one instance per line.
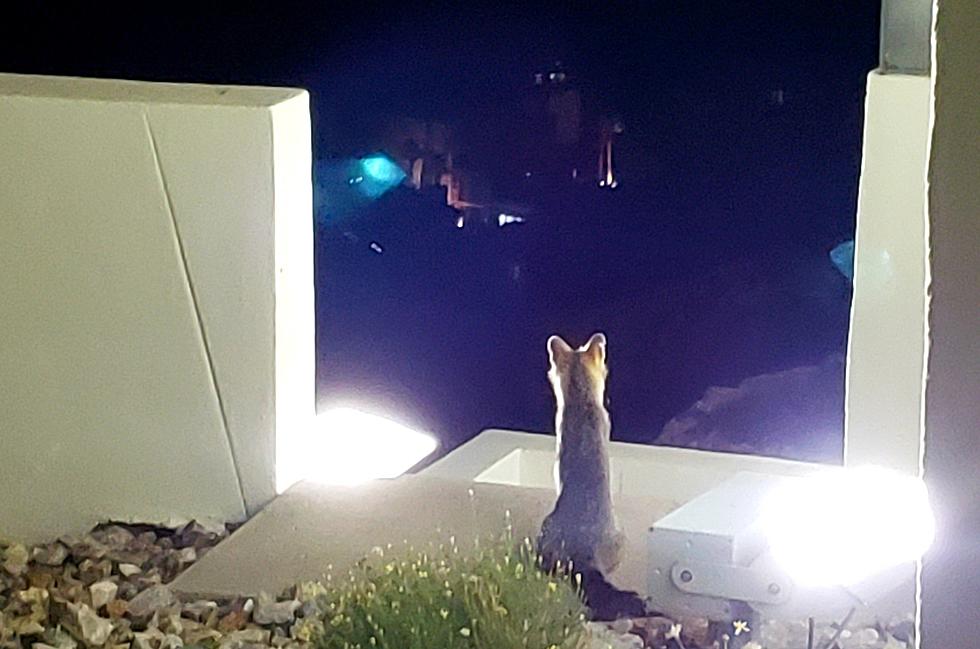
x=507, y=219
x=378, y=174
x=382, y=169
x=842, y=527
x=345, y=446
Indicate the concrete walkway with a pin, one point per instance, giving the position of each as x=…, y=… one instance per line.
x=310, y=527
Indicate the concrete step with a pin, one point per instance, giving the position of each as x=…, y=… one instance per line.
x=312, y=526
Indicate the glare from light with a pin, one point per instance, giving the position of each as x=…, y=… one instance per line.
x=839, y=528
x=507, y=219
x=345, y=446
x=377, y=174
x=382, y=169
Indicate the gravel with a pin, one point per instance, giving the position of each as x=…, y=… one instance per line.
x=108, y=590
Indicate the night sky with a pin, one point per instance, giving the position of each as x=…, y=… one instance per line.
x=708, y=265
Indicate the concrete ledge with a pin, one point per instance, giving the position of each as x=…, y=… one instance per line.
x=309, y=527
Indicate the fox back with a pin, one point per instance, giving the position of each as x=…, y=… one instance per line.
x=581, y=528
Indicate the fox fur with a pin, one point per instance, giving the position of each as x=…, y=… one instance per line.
x=581, y=534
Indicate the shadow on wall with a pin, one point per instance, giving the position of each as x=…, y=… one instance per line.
x=797, y=414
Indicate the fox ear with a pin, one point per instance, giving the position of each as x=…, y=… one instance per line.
x=596, y=348
x=557, y=348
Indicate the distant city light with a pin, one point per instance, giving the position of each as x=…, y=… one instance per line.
x=377, y=247
x=378, y=174
x=507, y=219
x=459, y=222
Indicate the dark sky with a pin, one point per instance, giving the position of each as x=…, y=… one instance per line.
x=710, y=266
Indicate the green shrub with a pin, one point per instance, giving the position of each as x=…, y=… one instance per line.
x=492, y=596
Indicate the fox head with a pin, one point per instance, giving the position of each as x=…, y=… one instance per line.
x=578, y=374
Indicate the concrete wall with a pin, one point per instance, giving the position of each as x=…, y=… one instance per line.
x=950, y=587
x=673, y=475
x=885, y=348
x=156, y=298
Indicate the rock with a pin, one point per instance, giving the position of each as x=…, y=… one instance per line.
x=306, y=629
x=200, y=635
x=127, y=591
x=270, y=612
x=148, y=639
x=28, y=613
x=39, y=577
x=199, y=610
x=233, y=621
x=601, y=637
x=113, y=536
x=697, y=630
x=95, y=630
x=129, y=569
x=15, y=559
x=103, y=592
x=621, y=626
x=60, y=639
x=52, y=554
x=85, y=548
x=187, y=555
x=769, y=414
x=151, y=600
x=174, y=624
x=93, y=571
x=171, y=641
x=238, y=639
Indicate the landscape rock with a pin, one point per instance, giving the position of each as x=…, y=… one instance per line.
x=103, y=592
x=268, y=611
x=15, y=558
x=129, y=569
x=171, y=641
x=200, y=610
x=95, y=630
x=602, y=637
x=53, y=554
x=151, y=600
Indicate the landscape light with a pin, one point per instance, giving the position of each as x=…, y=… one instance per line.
x=792, y=546
x=838, y=529
x=345, y=446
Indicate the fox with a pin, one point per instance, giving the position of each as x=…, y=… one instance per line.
x=581, y=533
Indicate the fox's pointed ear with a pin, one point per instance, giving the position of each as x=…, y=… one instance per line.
x=596, y=347
x=557, y=348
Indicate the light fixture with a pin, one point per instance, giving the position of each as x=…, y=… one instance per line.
x=792, y=547
x=345, y=446
x=877, y=519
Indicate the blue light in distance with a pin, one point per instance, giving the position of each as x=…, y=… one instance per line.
x=378, y=174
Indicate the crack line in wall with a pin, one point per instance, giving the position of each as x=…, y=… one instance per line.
x=197, y=309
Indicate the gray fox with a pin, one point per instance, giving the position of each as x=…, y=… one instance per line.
x=581, y=529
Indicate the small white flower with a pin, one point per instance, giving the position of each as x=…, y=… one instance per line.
x=741, y=626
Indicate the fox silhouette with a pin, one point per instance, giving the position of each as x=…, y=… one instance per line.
x=581, y=534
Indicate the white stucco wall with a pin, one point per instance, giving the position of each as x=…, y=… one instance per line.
x=885, y=345
x=950, y=585
x=156, y=298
